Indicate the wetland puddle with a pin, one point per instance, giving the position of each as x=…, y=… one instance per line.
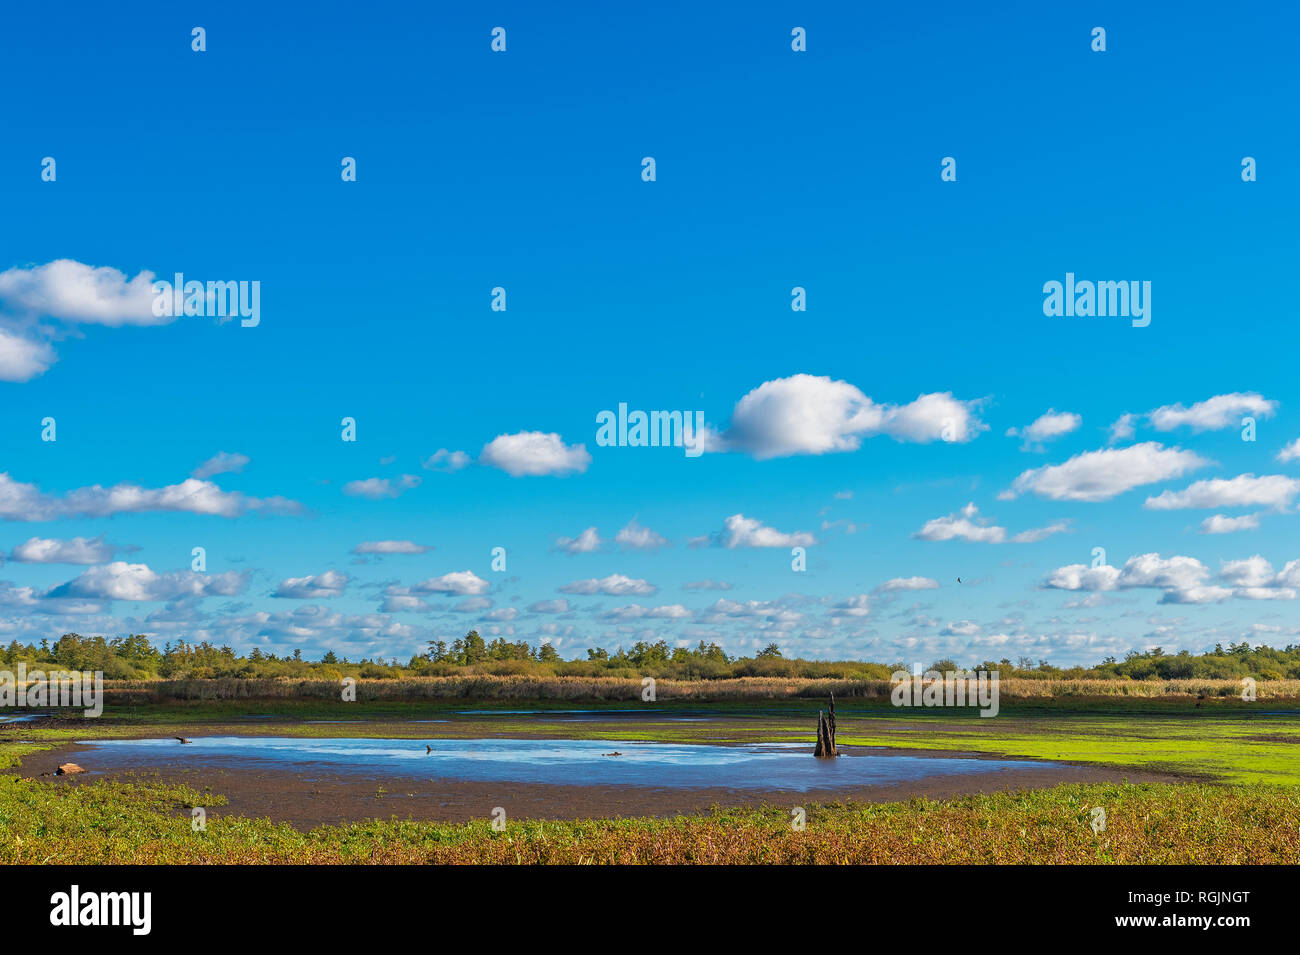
x=762, y=766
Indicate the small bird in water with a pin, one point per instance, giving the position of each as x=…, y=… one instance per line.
x=428, y=749
x=183, y=739
x=615, y=753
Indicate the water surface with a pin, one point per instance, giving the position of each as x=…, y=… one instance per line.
x=762, y=766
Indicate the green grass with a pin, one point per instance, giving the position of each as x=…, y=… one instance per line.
x=117, y=823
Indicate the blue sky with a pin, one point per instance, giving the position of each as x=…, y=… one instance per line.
x=774, y=169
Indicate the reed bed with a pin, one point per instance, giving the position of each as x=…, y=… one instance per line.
x=493, y=688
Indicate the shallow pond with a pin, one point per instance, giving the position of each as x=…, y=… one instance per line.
x=764, y=766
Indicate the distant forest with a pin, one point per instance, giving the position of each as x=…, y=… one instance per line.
x=137, y=658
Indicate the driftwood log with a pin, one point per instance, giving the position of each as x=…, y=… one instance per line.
x=826, y=733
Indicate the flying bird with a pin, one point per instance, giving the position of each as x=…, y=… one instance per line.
x=428, y=749
x=182, y=739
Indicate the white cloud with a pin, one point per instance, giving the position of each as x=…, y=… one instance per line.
x=1249, y=572
x=1245, y=490
x=1052, y=424
x=26, y=502
x=1102, y=475
x=376, y=488
x=391, y=547
x=444, y=460
x=1222, y=524
x=77, y=293
x=637, y=612
x=313, y=587
x=1036, y=534
x=1122, y=429
x=908, y=583
x=859, y=605
x=459, y=582
x=615, y=585
x=742, y=531
x=706, y=585
x=22, y=359
x=533, y=453
x=78, y=550
x=1291, y=452
x=137, y=582
x=1221, y=411
x=221, y=463
x=636, y=537
x=559, y=605
x=1184, y=580
x=588, y=542
x=963, y=526
x=807, y=414
x=960, y=628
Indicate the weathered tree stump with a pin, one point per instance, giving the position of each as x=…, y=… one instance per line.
x=826, y=734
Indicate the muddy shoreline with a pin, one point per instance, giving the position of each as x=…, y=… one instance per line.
x=306, y=797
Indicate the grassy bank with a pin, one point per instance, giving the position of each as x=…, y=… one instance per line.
x=1143, y=825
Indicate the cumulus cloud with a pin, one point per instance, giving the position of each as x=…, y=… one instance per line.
x=391, y=547
x=1101, y=475
x=1221, y=411
x=965, y=525
x=760, y=615
x=637, y=612
x=69, y=293
x=77, y=550
x=533, y=453
x=587, y=542
x=83, y=294
x=1291, y=452
x=26, y=502
x=1245, y=490
x=1123, y=428
x=313, y=587
x=859, y=605
x=22, y=359
x=741, y=531
x=444, y=460
x=1222, y=524
x=636, y=537
x=458, y=582
x=615, y=585
x=1183, y=580
x=558, y=605
x=1052, y=424
x=807, y=414
x=221, y=463
x=907, y=583
x=376, y=488
x=137, y=582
